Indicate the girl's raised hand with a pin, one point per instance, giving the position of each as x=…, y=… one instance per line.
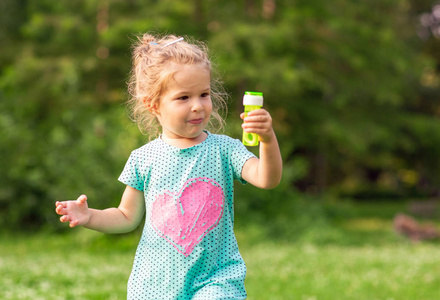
x=259, y=122
x=75, y=212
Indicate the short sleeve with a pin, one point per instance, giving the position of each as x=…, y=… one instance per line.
x=239, y=155
x=132, y=175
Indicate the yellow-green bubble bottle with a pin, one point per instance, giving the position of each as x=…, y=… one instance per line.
x=251, y=101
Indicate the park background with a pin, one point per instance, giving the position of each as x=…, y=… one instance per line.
x=353, y=88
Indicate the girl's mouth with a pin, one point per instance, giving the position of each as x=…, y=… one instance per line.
x=196, y=121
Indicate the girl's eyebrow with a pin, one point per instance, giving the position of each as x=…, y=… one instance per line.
x=207, y=89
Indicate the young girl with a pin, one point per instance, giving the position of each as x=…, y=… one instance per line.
x=183, y=179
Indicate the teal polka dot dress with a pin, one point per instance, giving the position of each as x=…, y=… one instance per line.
x=188, y=248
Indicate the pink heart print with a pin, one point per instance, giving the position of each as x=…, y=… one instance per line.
x=186, y=217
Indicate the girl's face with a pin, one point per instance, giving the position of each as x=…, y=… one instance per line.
x=185, y=106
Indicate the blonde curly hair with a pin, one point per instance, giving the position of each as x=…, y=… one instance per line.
x=154, y=65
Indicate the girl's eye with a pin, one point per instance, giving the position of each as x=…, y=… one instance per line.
x=183, y=98
x=205, y=95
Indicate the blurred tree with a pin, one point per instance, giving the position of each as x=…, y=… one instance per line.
x=60, y=118
x=427, y=101
x=341, y=78
x=352, y=88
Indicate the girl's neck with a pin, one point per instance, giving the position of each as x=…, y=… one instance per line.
x=183, y=142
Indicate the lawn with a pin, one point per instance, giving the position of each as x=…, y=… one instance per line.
x=367, y=261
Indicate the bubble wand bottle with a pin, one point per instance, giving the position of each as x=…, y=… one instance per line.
x=251, y=101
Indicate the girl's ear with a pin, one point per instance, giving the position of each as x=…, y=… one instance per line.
x=152, y=108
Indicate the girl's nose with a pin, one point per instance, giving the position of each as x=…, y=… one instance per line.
x=196, y=105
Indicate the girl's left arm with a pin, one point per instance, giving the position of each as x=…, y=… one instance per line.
x=264, y=172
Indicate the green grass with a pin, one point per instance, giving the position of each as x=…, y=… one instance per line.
x=338, y=272
x=364, y=260
x=63, y=267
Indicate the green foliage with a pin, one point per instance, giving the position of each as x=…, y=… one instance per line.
x=351, y=87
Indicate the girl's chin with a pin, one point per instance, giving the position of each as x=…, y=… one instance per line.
x=188, y=135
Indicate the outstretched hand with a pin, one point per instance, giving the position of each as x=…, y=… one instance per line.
x=75, y=212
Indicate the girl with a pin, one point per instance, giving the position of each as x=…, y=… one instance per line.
x=183, y=179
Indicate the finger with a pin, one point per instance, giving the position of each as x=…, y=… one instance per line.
x=261, y=131
x=257, y=118
x=64, y=219
x=258, y=112
x=82, y=199
x=60, y=203
x=60, y=210
x=255, y=126
x=251, y=115
x=73, y=223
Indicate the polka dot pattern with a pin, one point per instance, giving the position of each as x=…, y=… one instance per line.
x=188, y=249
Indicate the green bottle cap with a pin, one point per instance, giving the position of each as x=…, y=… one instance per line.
x=254, y=93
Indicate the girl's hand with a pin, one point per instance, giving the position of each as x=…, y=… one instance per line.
x=75, y=212
x=259, y=122
x=264, y=172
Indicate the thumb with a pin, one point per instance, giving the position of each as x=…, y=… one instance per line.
x=81, y=199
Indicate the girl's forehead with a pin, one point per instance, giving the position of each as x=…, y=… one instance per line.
x=178, y=67
x=191, y=76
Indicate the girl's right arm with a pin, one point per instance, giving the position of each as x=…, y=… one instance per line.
x=124, y=218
